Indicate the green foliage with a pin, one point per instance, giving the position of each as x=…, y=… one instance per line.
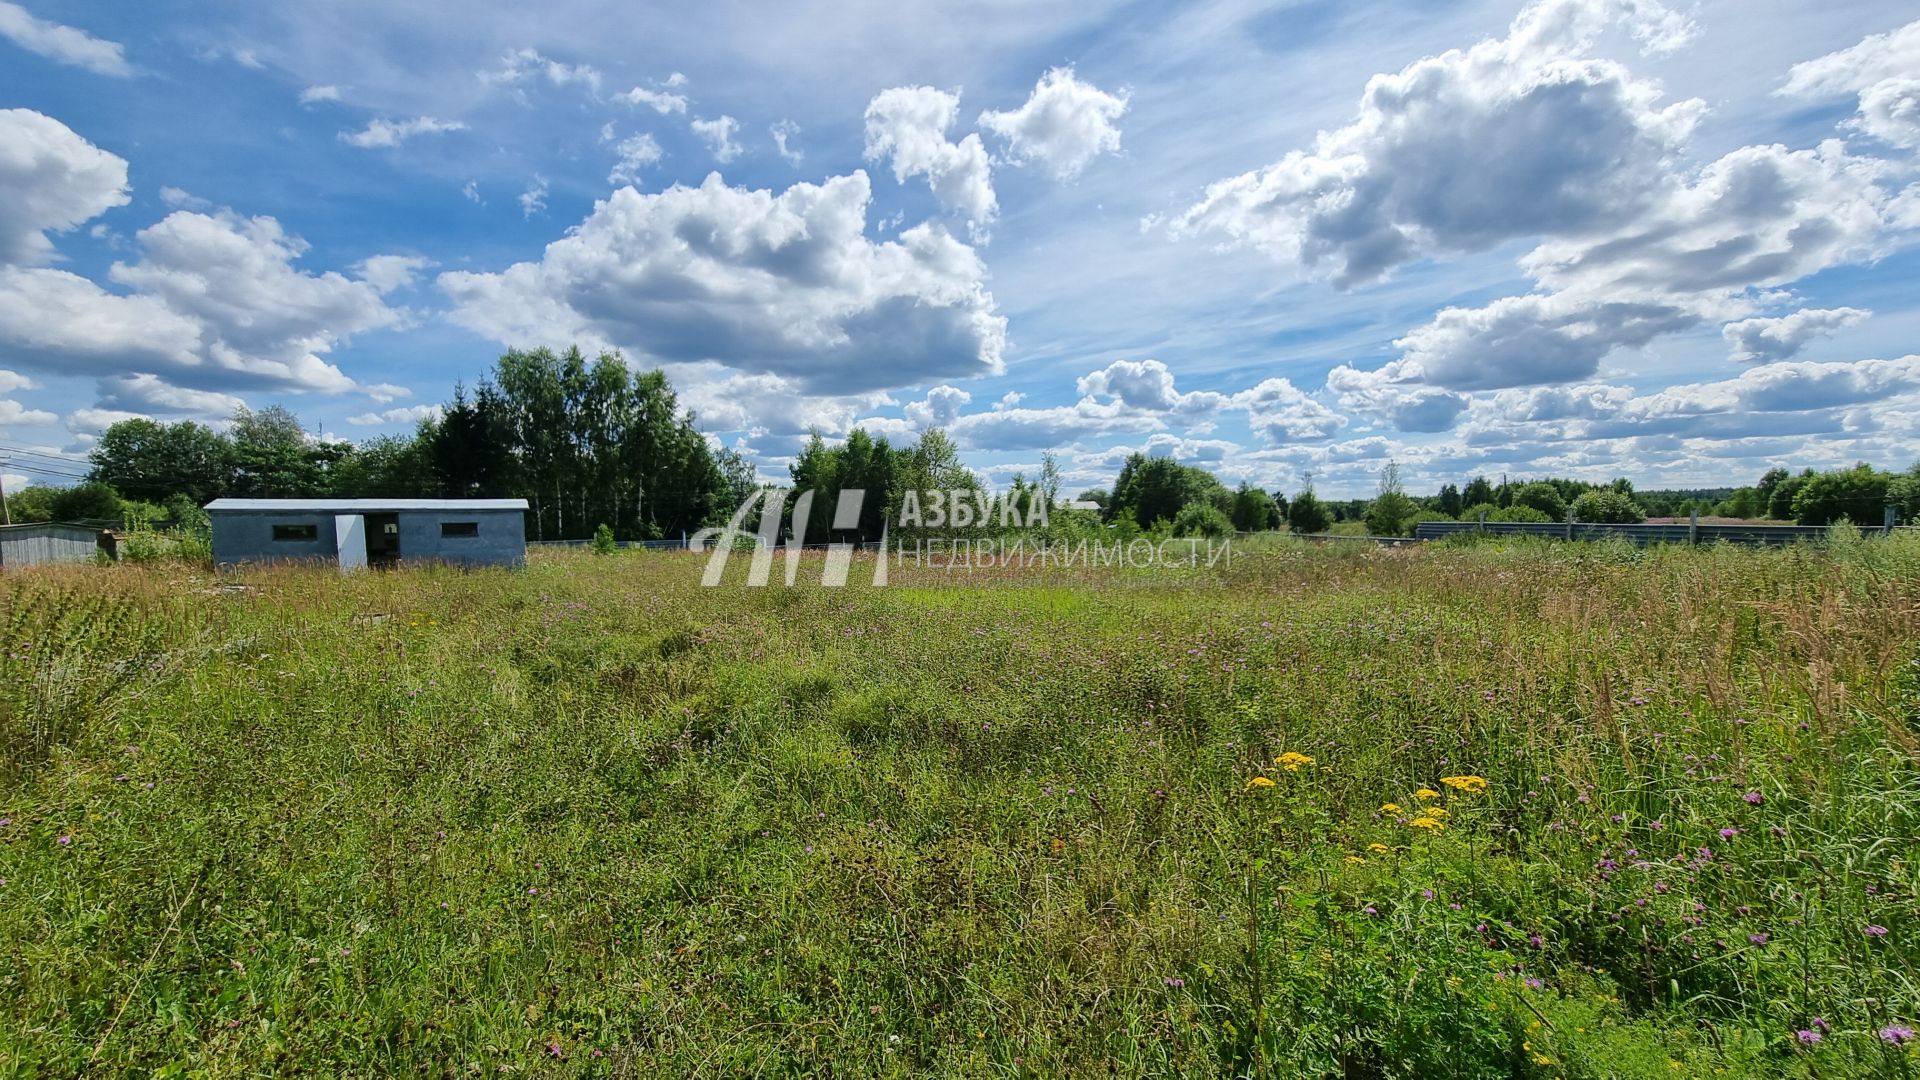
x=31, y=503
x=1903, y=493
x=1200, y=519
x=1520, y=513
x=1607, y=507
x=1541, y=496
x=90, y=503
x=1156, y=489
x=1254, y=510
x=1306, y=514
x=1391, y=513
x=603, y=541
x=1858, y=494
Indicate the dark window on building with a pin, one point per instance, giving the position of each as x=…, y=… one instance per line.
x=296, y=532
x=459, y=528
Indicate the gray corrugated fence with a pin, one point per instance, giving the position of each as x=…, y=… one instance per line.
x=1679, y=532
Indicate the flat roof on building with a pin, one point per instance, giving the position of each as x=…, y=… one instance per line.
x=363, y=506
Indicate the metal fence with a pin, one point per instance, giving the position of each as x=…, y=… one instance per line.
x=1641, y=535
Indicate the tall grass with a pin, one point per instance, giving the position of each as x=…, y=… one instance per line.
x=589, y=818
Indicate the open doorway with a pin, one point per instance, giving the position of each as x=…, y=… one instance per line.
x=383, y=539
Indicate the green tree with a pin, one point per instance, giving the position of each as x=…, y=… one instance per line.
x=1607, y=505
x=1477, y=491
x=1449, y=502
x=1306, y=514
x=149, y=461
x=1391, y=512
x=1201, y=519
x=1156, y=489
x=31, y=503
x=89, y=503
x=1858, y=494
x=1253, y=509
x=1785, y=491
x=273, y=457
x=1903, y=493
x=1541, y=496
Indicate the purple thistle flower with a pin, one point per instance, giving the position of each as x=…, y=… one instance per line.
x=1897, y=1034
x=1729, y=833
x=64, y=841
x=1807, y=1037
x=1757, y=939
x=1754, y=798
x=1534, y=984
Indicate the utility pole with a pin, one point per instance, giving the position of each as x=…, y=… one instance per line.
x=6, y=516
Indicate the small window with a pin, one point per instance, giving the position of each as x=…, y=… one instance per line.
x=459, y=528
x=296, y=532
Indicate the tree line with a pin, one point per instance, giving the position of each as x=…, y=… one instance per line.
x=592, y=443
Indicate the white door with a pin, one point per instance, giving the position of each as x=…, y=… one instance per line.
x=350, y=534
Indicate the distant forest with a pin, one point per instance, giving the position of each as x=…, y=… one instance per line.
x=591, y=443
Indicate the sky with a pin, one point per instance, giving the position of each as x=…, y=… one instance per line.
x=1282, y=241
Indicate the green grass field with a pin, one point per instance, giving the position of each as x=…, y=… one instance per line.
x=590, y=818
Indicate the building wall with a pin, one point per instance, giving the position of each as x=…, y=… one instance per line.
x=247, y=536
x=502, y=540
x=35, y=545
x=241, y=536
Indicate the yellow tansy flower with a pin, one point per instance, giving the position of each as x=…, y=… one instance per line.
x=1469, y=784
x=1390, y=808
x=1435, y=811
x=1355, y=859
x=1426, y=793
x=1378, y=849
x=1292, y=760
x=1424, y=822
x=1259, y=782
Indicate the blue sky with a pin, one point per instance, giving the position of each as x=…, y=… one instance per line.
x=1572, y=237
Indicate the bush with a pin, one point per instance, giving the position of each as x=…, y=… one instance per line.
x=1606, y=506
x=603, y=543
x=1516, y=512
x=1308, y=514
x=1543, y=497
x=89, y=502
x=1201, y=519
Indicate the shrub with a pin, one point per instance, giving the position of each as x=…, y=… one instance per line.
x=1201, y=519
x=1607, y=506
x=1516, y=512
x=603, y=543
x=1308, y=514
x=1543, y=497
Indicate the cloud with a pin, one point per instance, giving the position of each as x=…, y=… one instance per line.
x=61, y=44
x=1280, y=413
x=389, y=272
x=54, y=180
x=313, y=95
x=12, y=380
x=1064, y=125
x=1762, y=341
x=782, y=131
x=181, y=199
x=14, y=414
x=782, y=284
x=149, y=394
x=1883, y=72
x=408, y=414
x=1515, y=137
x=471, y=191
x=636, y=153
x=215, y=303
x=1392, y=395
x=384, y=393
x=658, y=100
x=534, y=199
x=1146, y=385
x=718, y=135
x=940, y=408
x=907, y=126
x=521, y=66
x=379, y=134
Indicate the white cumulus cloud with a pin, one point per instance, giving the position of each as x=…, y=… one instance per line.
x=62, y=44
x=907, y=127
x=1883, y=72
x=380, y=134
x=53, y=180
x=1064, y=125
x=718, y=135
x=1765, y=340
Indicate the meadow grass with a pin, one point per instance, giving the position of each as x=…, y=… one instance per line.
x=590, y=818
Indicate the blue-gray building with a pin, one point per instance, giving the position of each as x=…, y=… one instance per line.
x=370, y=532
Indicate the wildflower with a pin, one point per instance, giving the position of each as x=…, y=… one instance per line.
x=1355, y=859
x=1472, y=785
x=1424, y=822
x=1382, y=849
x=1542, y=1060
x=1807, y=1036
x=1259, y=782
x=1426, y=793
x=1174, y=980
x=1729, y=833
x=1371, y=910
x=1754, y=798
x=1390, y=808
x=1875, y=930
x=1757, y=939
x=1435, y=811
x=1534, y=984
x=64, y=841
x=1897, y=1034
x=1292, y=760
